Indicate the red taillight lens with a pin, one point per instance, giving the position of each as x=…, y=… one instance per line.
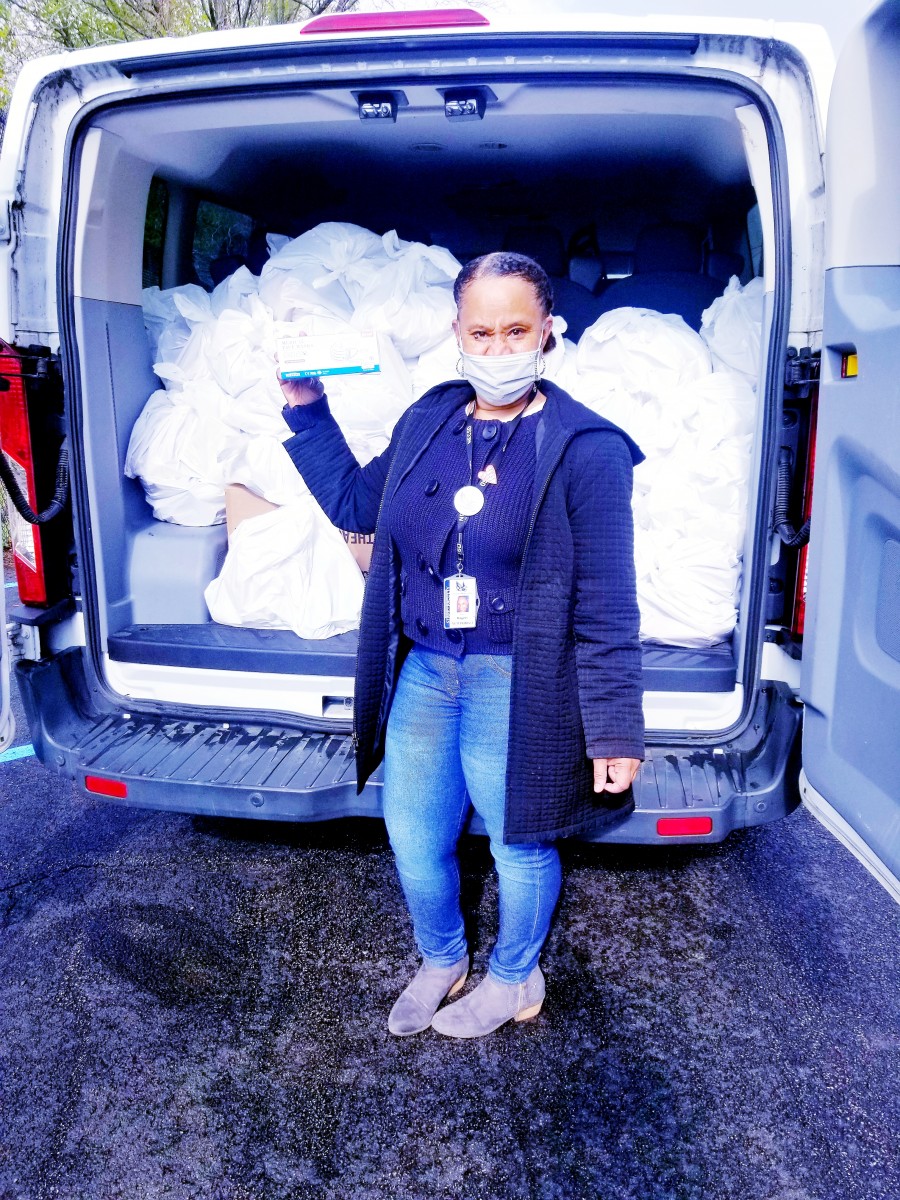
x=680, y=826
x=15, y=440
x=798, y=618
x=372, y=22
x=106, y=787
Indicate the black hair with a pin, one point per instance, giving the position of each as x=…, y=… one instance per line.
x=504, y=263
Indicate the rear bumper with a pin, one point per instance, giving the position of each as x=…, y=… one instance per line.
x=244, y=769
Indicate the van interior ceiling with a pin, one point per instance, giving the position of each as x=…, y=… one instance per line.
x=572, y=172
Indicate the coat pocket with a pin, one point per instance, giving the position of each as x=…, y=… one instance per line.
x=498, y=608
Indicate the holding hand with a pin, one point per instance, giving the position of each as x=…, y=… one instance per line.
x=614, y=774
x=307, y=390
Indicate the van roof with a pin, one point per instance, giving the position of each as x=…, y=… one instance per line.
x=810, y=40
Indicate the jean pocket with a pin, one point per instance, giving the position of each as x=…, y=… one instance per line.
x=502, y=664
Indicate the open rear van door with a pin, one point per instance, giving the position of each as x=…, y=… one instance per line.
x=851, y=660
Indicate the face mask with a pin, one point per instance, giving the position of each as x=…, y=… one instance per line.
x=500, y=379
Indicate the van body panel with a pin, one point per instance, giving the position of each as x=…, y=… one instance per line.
x=850, y=680
x=862, y=159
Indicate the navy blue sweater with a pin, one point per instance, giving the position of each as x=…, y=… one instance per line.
x=423, y=525
x=576, y=658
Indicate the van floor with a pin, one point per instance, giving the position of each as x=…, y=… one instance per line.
x=196, y=1008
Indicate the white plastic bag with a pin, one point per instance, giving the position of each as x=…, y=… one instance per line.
x=650, y=374
x=308, y=275
x=234, y=291
x=724, y=407
x=687, y=590
x=288, y=569
x=261, y=464
x=437, y=365
x=163, y=319
x=643, y=350
x=410, y=297
x=732, y=327
x=173, y=450
x=240, y=349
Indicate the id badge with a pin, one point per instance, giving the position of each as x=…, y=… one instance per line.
x=460, y=602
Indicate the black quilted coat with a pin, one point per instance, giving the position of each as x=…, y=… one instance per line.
x=576, y=675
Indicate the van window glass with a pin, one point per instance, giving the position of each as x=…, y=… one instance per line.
x=755, y=239
x=221, y=238
x=155, y=233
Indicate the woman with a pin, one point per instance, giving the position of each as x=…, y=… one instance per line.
x=499, y=663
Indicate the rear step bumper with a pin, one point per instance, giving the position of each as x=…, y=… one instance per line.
x=242, y=769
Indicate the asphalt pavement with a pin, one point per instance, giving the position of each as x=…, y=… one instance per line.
x=197, y=1008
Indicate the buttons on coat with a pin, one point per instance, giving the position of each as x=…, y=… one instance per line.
x=422, y=627
x=454, y=635
x=497, y=604
x=431, y=487
x=460, y=425
x=489, y=432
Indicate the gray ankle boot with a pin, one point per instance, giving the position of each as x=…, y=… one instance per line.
x=491, y=1005
x=418, y=1003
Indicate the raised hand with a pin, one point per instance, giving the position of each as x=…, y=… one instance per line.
x=302, y=391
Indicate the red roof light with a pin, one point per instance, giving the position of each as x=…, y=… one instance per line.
x=372, y=22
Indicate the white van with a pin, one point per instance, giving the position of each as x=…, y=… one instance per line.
x=476, y=133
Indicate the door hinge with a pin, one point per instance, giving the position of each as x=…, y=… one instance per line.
x=23, y=642
x=801, y=372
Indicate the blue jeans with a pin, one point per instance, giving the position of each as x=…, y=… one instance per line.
x=446, y=748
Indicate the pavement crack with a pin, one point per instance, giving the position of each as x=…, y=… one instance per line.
x=10, y=892
x=55, y=874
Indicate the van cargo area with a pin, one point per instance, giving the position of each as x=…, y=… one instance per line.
x=169, y=189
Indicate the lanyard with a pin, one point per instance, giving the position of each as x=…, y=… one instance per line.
x=463, y=518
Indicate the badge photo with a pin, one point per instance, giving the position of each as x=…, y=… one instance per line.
x=460, y=602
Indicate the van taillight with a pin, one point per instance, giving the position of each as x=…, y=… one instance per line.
x=798, y=618
x=15, y=440
x=30, y=441
x=441, y=18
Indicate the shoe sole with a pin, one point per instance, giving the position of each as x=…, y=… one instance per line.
x=527, y=1013
x=458, y=986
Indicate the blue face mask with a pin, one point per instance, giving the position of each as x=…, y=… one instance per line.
x=501, y=379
